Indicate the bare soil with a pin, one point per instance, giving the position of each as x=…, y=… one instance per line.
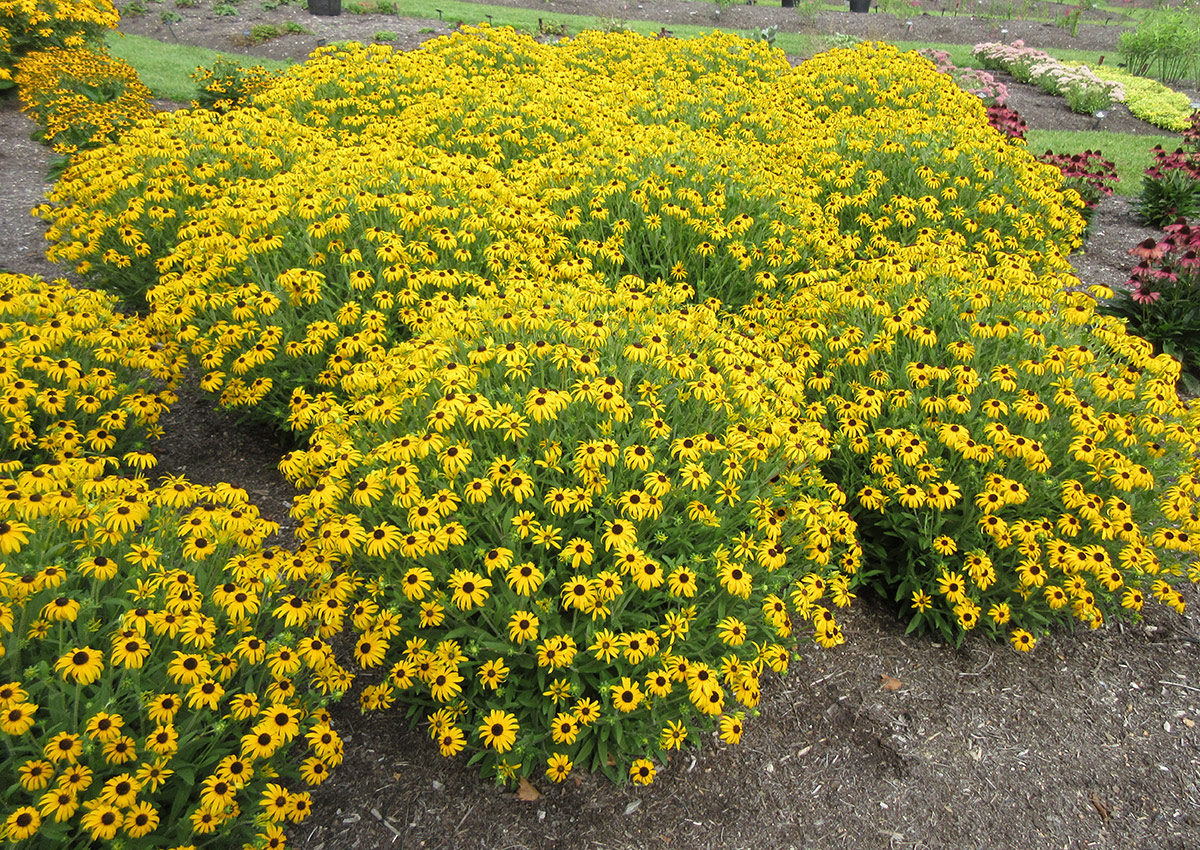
x=934, y=20
x=1092, y=741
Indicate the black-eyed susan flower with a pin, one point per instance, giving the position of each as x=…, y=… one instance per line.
x=282, y=721
x=35, y=774
x=736, y=580
x=522, y=626
x=642, y=771
x=141, y=819
x=730, y=727
x=130, y=649
x=1022, y=640
x=274, y=802
x=81, y=664
x=22, y=823
x=470, y=589
x=59, y=804
x=103, y=821
x=498, y=730
x=63, y=747
x=626, y=695
x=558, y=767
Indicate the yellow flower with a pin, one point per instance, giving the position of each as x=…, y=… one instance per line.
x=619, y=535
x=952, y=586
x=84, y=665
x=499, y=730
x=945, y=545
x=522, y=626
x=626, y=695
x=558, y=767
x=736, y=580
x=492, y=674
x=1023, y=640
x=415, y=583
x=673, y=735
x=732, y=631
x=1000, y=613
x=642, y=771
x=470, y=589
x=731, y=728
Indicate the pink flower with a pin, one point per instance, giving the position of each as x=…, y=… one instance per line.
x=1143, y=297
x=1149, y=249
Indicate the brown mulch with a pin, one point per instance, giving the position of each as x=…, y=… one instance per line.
x=1090, y=741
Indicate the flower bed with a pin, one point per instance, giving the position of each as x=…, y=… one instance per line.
x=1082, y=89
x=1149, y=100
x=619, y=363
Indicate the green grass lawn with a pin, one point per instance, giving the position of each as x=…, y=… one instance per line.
x=1130, y=153
x=166, y=68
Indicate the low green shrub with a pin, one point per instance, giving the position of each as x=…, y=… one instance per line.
x=1149, y=100
x=1166, y=45
x=227, y=84
x=264, y=32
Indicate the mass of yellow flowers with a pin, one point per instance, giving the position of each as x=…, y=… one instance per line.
x=616, y=367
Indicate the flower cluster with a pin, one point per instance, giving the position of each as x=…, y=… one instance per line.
x=79, y=97
x=73, y=375
x=1171, y=186
x=592, y=539
x=1191, y=133
x=979, y=83
x=1159, y=300
x=30, y=25
x=1088, y=173
x=150, y=691
x=1003, y=442
x=1007, y=121
x=225, y=84
x=1083, y=90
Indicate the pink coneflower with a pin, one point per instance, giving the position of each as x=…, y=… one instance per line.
x=1149, y=249
x=1189, y=260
